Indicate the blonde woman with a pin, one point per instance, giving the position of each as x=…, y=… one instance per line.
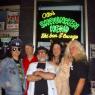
x=78, y=79
x=73, y=71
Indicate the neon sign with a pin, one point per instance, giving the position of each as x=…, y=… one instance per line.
x=59, y=20
x=59, y=25
x=48, y=14
x=60, y=35
x=59, y=28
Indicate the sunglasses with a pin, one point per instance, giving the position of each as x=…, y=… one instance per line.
x=16, y=48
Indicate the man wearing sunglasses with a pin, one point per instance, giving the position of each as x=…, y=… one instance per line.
x=11, y=71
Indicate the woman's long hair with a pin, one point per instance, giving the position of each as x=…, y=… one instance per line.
x=80, y=55
x=51, y=55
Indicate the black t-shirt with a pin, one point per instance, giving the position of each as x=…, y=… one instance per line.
x=79, y=70
x=92, y=69
x=41, y=87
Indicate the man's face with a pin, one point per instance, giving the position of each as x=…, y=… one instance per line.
x=29, y=50
x=15, y=51
x=42, y=56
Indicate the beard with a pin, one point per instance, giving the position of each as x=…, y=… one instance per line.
x=42, y=59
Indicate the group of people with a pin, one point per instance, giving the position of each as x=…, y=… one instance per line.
x=62, y=70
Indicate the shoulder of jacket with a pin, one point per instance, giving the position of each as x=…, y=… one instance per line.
x=6, y=59
x=33, y=64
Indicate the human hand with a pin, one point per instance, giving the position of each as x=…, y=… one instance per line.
x=37, y=73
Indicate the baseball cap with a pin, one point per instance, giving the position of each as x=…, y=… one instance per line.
x=16, y=42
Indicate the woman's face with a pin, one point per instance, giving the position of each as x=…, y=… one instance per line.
x=73, y=50
x=56, y=50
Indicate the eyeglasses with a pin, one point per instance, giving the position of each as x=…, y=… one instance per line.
x=16, y=48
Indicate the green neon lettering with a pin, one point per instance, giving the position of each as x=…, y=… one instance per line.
x=59, y=28
x=59, y=20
